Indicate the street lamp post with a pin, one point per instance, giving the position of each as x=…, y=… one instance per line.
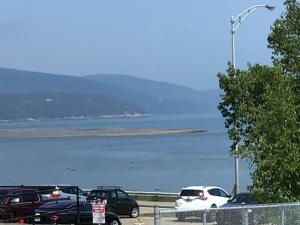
x=235, y=23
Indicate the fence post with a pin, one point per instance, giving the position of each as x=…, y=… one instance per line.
x=282, y=215
x=156, y=215
x=245, y=216
x=204, y=216
x=33, y=208
x=77, y=205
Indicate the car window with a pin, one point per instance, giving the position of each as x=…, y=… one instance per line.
x=3, y=192
x=222, y=193
x=46, y=189
x=113, y=194
x=213, y=192
x=15, y=195
x=69, y=190
x=191, y=192
x=29, y=196
x=122, y=194
x=99, y=194
x=240, y=198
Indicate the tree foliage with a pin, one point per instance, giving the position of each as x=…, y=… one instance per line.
x=261, y=110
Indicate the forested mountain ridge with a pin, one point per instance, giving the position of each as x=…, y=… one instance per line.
x=112, y=94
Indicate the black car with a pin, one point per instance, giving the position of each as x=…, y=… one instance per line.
x=240, y=202
x=65, y=212
x=117, y=201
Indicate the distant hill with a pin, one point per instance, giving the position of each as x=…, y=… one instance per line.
x=60, y=105
x=163, y=97
x=114, y=94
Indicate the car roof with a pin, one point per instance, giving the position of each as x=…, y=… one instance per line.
x=200, y=187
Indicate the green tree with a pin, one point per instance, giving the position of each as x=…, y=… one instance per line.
x=261, y=110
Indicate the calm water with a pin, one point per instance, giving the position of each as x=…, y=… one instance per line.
x=165, y=162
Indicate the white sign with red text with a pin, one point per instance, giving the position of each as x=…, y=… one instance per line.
x=98, y=213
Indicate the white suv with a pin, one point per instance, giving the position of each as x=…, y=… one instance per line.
x=63, y=191
x=195, y=198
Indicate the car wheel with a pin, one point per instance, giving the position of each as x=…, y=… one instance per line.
x=114, y=222
x=135, y=212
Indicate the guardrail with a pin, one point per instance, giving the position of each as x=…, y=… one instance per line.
x=152, y=193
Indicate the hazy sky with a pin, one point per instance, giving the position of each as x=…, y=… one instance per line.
x=180, y=41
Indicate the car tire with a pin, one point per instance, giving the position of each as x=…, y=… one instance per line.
x=135, y=212
x=114, y=222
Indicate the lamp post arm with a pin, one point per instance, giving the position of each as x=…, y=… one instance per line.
x=242, y=16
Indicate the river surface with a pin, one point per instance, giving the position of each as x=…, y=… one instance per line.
x=148, y=163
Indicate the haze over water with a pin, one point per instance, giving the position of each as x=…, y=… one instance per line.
x=164, y=162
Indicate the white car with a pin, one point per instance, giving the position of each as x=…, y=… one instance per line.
x=195, y=198
x=63, y=191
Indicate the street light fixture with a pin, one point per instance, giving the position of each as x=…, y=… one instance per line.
x=235, y=23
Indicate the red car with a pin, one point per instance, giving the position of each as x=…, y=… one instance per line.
x=17, y=204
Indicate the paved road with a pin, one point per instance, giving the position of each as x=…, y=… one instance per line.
x=166, y=218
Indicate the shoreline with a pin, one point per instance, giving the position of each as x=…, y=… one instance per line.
x=30, y=133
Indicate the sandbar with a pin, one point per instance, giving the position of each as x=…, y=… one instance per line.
x=30, y=133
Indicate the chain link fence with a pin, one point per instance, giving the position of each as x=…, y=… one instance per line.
x=279, y=214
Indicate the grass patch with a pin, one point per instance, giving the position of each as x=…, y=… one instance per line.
x=154, y=198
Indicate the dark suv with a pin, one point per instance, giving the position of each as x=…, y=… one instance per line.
x=18, y=203
x=117, y=200
x=226, y=215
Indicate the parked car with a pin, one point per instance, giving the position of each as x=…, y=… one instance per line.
x=55, y=191
x=117, y=201
x=234, y=216
x=191, y=200
x=63, y=191
x=18, y=203
x=65, y=212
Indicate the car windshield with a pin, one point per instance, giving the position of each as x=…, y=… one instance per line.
x=241, y=198
x=191, y=192
x=3, y=192
x=99, y=194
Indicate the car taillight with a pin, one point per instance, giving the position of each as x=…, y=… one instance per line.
x=55, y=195
x=54, y=217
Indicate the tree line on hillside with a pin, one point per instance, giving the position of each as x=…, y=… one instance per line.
x=60, y=105
x=261, y=107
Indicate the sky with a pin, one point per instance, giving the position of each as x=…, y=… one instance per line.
x=186, y=42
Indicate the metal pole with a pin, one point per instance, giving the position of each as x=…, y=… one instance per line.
x=282, y=216
x=232, y=42
x=236, y=159
x=245, y=216
x=204, y=217
x=156, y=215
x=238, y=20
x=77, y=205
x=237, y=171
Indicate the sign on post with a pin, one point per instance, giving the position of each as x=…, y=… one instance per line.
x=98, y=213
